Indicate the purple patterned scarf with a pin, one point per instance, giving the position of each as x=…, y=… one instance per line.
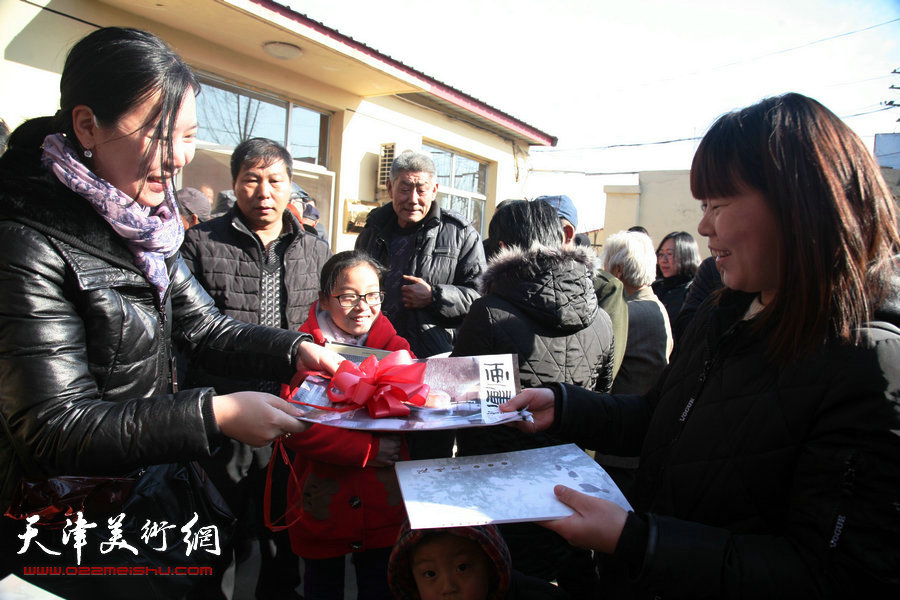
x=152, y=234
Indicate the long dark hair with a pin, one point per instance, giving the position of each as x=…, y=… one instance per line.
x=836, y=217
x=114, y=69
x=687, y=252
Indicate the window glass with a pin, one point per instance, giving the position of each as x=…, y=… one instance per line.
x=469, y=175
x=458, y=204
x=463, y=183
x=307, y=142
x=477, y=215
x=443, y=161
x=229, y=115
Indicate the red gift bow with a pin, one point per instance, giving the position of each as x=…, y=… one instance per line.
x=383, y=387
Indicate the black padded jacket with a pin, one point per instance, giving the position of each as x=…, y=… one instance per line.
x=229, y=261
x=540, y=305
x=757, y=480
x=448, y=255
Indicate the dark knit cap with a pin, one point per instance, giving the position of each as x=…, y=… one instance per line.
x=400, y=574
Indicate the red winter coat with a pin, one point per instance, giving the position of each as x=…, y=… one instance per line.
x=343, y=505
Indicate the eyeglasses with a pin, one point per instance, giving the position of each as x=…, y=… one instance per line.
x=351, y=300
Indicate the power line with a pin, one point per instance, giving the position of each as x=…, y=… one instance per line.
x=673, y=141
x=782, y=51
x=825, y=39
x=883, y=108
x=586, y=173
x=634, y=145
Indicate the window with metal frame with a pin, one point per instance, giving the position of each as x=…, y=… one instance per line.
x=230, y=114
x=462, y=183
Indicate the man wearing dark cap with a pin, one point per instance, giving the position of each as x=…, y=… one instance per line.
x=310, y=218
x=193, y=206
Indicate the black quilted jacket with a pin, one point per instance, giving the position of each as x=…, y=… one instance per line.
x=228, y=260
x=85, y=377
x=757, y=480
x=540, y=305
x=448, y=255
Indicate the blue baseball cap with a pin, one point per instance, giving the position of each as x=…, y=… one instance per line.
x=564, y=206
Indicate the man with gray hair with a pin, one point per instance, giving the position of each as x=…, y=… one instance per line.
x=433, y=257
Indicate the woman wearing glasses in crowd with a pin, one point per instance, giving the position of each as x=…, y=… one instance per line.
x=770, y=447
x=677, y=259
x=348, y=500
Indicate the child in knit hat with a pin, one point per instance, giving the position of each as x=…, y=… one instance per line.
x=460, y=563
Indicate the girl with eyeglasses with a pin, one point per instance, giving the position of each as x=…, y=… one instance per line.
x=346, y=499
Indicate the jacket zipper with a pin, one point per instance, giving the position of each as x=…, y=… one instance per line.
x=687, y=411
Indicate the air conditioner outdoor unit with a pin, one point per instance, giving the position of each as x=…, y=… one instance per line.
x=384, y=165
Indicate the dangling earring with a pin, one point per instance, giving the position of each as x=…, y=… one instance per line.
x=88, y=153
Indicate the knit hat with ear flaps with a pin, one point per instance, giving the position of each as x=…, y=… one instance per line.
x=400, y=575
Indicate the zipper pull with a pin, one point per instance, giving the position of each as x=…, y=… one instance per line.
x=705, y=372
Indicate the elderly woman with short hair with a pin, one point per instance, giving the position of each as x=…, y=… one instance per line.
x=629, y=256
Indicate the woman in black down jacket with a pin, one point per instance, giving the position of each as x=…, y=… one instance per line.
x=538, y=302
x=770, y=448
x=93, y=286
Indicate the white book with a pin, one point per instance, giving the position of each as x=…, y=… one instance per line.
x=508, y=487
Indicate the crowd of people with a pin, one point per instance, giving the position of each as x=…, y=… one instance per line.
x=748, y=405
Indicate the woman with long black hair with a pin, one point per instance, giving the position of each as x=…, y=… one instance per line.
x=770, y=447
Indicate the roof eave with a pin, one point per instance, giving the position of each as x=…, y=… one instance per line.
x=517, y=128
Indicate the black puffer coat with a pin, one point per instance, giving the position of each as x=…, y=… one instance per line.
x=539, y=304
x=85, y=376
x=228, y=260
x=671, y=292
x=448, y=255
x=758, y=480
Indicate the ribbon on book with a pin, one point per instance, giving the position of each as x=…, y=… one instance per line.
x=383, y=387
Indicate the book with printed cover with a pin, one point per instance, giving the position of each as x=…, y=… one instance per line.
x=462, y=392
x=508, y=487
